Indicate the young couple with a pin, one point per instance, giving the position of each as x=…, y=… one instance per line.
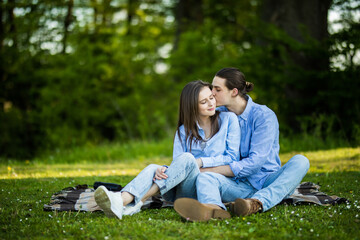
x=229, y=155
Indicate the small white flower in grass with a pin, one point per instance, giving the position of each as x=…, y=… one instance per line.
x=357, y=215
x=50, y=216
x=301, y=219
x=300, y=229
x=149, y=219
x=292, y=212
x=348, y=206
x=106, y=237
x=226, y=222
x=30, y=210
x=311, y=230
x=58, y=221
x=274, y=218
x=248, y=223
x=26, y=219
x=20, y=220
x=63, y=231
x=81, y=229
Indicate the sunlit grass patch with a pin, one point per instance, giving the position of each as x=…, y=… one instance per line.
x=39, y=170
x=340, y=159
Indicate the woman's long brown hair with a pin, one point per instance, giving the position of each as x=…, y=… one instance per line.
x=189, y=112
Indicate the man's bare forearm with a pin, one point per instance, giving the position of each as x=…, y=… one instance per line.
x=223, y=170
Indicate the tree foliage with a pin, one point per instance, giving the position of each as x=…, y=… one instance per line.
x=73, y=72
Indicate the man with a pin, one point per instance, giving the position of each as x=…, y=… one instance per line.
x=257, y=182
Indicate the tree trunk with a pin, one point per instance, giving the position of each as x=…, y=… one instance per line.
x=67, y=22
x=188, y=15
x=304, y=21
x=131, y=8
x=12, y=29
x=2, y=34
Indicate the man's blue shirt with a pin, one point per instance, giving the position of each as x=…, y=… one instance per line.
x=259, y=145
x=221, y=149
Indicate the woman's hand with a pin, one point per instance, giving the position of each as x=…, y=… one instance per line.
x=160, y=173
x=199, y=162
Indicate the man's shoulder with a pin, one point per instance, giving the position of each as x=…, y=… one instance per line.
x=262, y=112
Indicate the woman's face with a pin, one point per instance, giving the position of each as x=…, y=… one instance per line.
x=221, y=92
x=207, y=102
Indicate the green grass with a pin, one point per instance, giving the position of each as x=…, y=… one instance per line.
x=26, y=186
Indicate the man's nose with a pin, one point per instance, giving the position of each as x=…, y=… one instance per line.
x=213, y=92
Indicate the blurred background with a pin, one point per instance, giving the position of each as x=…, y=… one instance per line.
x=77, y=72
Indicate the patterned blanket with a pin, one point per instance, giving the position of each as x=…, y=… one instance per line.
x=81, y=198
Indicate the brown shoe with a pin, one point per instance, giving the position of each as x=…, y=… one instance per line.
x=193, y=210
x=245, y=207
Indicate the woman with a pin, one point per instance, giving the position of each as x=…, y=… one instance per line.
x=204, y=138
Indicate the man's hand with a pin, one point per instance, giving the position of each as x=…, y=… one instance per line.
x=199, y=162
x=223, y=170
x=160, y=173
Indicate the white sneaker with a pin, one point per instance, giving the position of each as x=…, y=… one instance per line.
x=131, y=210
x=111, y=203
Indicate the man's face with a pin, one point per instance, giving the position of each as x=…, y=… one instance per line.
x=221, y=92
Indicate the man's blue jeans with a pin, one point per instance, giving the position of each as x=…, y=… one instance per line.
x=182, y=174
x=215, y=188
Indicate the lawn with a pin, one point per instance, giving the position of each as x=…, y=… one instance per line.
x=26, y=186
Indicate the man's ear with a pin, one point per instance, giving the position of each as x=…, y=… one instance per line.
x=234, y=92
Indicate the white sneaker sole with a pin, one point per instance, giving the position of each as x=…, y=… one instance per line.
x=103, y=200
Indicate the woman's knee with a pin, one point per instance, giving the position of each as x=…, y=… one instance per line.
x=187, y=159
x=152, y=167
x=302, y=162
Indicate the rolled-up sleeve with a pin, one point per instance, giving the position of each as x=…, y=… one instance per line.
x=263, y=136
x=231, y=153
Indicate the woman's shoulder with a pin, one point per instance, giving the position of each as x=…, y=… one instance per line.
x=181, y=129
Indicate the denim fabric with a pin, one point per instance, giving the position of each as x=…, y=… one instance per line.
x=259, y=145
x=221, y=149
x=215, y=188
x=181, y=180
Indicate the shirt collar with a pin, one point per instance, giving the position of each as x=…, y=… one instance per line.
x=201, y=131
x=245, y=114
x=198, y=125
